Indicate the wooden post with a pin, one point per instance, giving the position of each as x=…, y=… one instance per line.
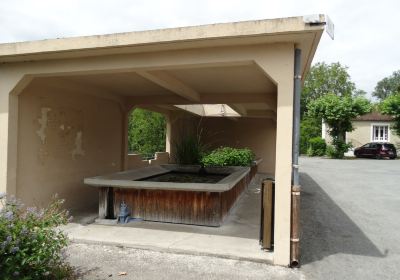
x=267, y=235
x=103, y=199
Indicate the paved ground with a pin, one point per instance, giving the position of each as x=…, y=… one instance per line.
x=106, y=262
x=350, y=230
x=350, y=219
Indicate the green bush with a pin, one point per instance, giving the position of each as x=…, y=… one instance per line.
x=31, y=246
x=338, y=149
x=309, y=128
x=316, y=147
x=227, y=156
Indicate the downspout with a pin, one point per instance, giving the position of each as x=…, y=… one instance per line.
x=295, y=202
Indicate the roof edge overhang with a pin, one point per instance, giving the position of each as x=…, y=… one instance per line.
x=210, y=35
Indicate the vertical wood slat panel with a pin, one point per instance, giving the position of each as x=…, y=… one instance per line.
x=187, y=207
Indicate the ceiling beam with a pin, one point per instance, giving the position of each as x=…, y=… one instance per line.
x=270, y=114
x=171, y=83
x=238, y=108
x=206, y=98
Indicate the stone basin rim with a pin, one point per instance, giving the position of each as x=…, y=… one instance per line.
x=129, y=179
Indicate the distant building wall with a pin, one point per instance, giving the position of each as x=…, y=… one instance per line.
x=362, y=133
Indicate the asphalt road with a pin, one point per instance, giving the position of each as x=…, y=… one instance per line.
x=350, y=218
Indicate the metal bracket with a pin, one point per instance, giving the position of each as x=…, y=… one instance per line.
x=297, y=77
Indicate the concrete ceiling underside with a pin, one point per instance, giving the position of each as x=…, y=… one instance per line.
x=245, y=88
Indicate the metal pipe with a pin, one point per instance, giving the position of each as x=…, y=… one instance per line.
x=295, y=198
x=296, y=115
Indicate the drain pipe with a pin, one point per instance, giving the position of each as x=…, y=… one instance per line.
x=295, y=205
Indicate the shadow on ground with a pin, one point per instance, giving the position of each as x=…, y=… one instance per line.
x=326, y=229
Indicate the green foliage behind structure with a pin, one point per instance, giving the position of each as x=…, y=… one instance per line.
x=146, y=132
x=388, y=86
x=316, y=147
x=391, y=106
x=309, y=128
x=326, y=79
x=338, y=113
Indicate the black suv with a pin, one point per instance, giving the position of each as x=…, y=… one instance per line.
x=376, y=150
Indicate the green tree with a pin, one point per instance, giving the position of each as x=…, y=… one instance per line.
x=391, y=106
x=388, y=86
x=146, y=132
x=326, y=78
x=338, y=113
x=310, y=127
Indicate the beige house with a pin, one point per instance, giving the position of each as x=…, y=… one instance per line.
x=64, y=103
x=371, y=127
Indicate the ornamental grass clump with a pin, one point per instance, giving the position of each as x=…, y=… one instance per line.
x=31, y=244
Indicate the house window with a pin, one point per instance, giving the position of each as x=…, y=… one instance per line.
x=380, y=133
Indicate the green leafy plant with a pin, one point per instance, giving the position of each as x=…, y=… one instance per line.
x=31, y=245
x=325, y=79
x=391, y=106
x=388, y=86
x=338, y=149
x=309, y=128
x=317, y=147
x=227, y=156
x=338, y=113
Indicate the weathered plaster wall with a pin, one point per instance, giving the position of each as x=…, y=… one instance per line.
x=62, y=138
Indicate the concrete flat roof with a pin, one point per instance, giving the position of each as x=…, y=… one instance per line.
x=222, y=34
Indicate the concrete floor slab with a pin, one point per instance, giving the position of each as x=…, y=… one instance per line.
x=237, y=238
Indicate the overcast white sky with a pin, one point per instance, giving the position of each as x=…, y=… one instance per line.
x=367, y=33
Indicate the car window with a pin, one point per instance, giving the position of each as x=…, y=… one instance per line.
x=373, y=145
x=367, y=145
x=389, y=146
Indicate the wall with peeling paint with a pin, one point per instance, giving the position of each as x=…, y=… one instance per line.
x=62, y=138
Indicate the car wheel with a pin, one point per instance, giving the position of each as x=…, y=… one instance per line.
x=378, y=157
x=392, y=157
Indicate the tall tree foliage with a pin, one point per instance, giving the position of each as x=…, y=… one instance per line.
x=388, y=86
x=322, y=79
x=326, y=79
x=146, y=132
x=391, y=106
x=338, y=112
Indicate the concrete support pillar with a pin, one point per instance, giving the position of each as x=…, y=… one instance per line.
x=283, y=172
x=278, y=64
x=124, y=145
x=168, y=134
x=9, y=90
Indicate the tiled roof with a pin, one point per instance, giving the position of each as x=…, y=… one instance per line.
x=374, y=116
